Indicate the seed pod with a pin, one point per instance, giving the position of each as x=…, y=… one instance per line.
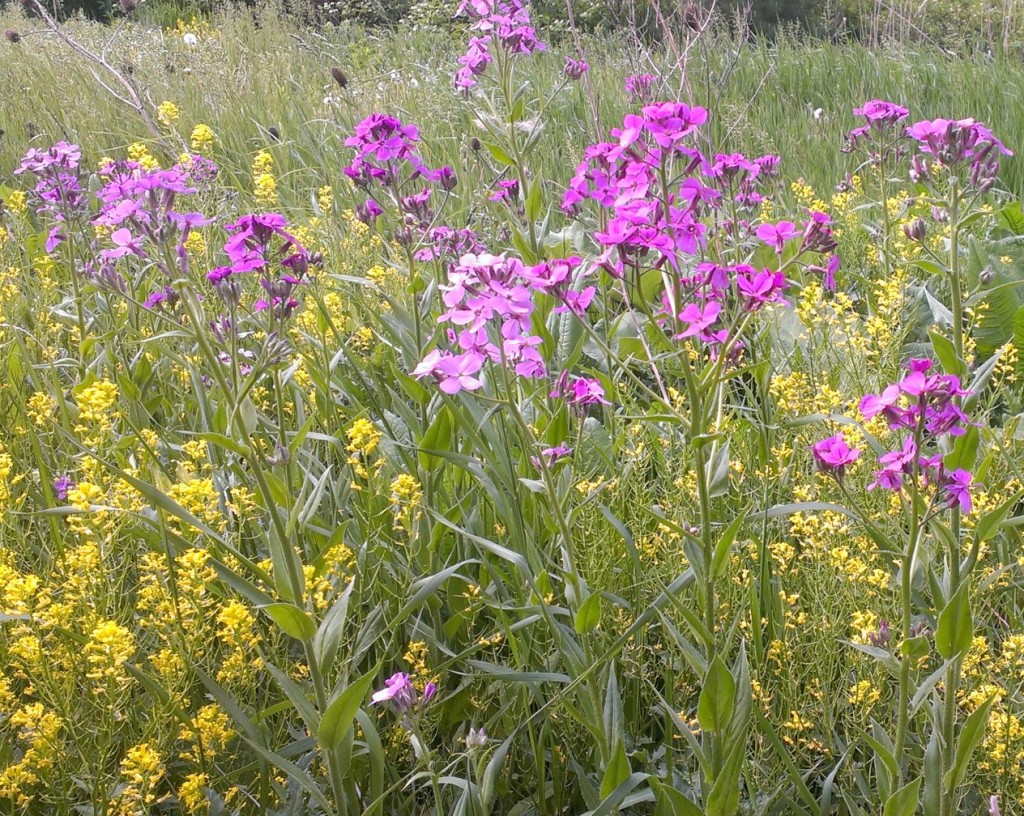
x=12, y=36
x=339, y=77
x=474, y=144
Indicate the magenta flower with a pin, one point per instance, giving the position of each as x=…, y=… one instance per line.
x=124, y=244
x=833, y=455
x=399, y=691
x=958, y=489
x=878, y=112
x=776, y=235
x=574, y=69
x=758, y=288
x=641, y=87
x=698, y=317
x=549, y=457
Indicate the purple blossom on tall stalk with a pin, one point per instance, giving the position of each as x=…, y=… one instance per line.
x=574, y=69
x=834, y=455
x=641, y=87
x=926, y=407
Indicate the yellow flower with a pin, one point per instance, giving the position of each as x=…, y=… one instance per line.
x=138, y=152
x=864, y=694
x=110, y=646
x=17, y=202
x=167, y=114
x=202, y=138
x=191, y=794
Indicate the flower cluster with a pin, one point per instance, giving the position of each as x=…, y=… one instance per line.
x=58, y=187
x=387, y=162
x=640, y=87
x=500, y=22
x=927, y=407
x=260, y=243
x=955, y=142
x=400, y=692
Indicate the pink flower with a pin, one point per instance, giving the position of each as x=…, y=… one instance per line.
x=833, y=455
x=398, y=690
x=758, y=288
x=776, y=235
x=699, y=318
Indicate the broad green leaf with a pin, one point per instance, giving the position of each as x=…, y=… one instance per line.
x=588, y=616
x=671, y=802
x=904, y=801
x=717, y=697
x=955, y=629
x=723, y=548
x=437, y=438
x=724, y=799
x=293, y=621
x=969, y=738
x=617, y=772
x=946, y=353
x=337, y=719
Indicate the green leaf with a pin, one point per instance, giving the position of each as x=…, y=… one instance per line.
x=437, y=438
x=904, y=801
x=717, y=698
x=499, y=154
x=671, y=802
x=946, y=353
x=956, y=627
x=293, y=621
x=724, y=799
x=719, y=485
x=588, y=616
x=337, y=719
x=534, y=201
x=965, y=451
x=970, y=736
x=723, y=548
x=617, y=772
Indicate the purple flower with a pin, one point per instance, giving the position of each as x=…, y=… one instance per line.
x=574, y=69
x=549, y=457
x=833, y=455
x=776, y=235
x=61, y=485
x=641, y=87
x=124, y=244
x=399, y=691
x=958, y=489
x=698, y=317
x=758, y=288
x=878, y=112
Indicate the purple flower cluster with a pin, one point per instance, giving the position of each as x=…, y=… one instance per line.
x=490, y=305
x=575, y=68
x=927, y=406
x=58, y=187
x=401, y=693
x=505, y=23
x=948, y=142
x=260, y=244
x=386, y=164
x=140, y=205
x=954, y=142
x=641, y=87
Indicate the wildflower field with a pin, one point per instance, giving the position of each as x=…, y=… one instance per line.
x=477, y=422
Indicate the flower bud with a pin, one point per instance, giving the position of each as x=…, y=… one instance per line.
x=12, y=36
x=915, y=230
x=339, y=76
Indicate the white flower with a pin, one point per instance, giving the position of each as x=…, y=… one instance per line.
x=190, y=39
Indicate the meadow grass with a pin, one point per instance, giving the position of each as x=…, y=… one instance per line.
x=226, y=519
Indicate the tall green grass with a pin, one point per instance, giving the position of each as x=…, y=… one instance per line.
x=792, y=98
